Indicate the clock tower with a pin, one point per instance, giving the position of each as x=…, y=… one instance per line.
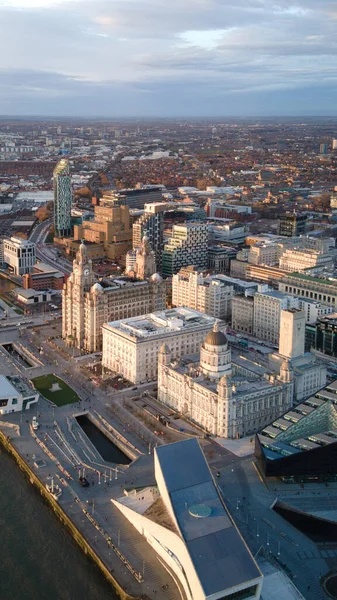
x=73, y=298
x=82, y=269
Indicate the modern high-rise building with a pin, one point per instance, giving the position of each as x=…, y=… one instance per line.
x=188, y=245
x=323, y=148
x=151, y=225
x=334, y=144
x=291, y=225
x=322, y=336
x=62, y=199
x=19, y=255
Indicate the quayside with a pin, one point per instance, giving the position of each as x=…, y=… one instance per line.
x=106, y=448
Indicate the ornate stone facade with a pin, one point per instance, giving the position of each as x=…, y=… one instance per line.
x=223, y=397
x=87, y=304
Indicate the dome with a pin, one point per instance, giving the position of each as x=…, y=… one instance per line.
x=216, y=337
x=97, y=288
x=156, y=277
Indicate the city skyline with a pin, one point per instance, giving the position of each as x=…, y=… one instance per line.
x=145, y=59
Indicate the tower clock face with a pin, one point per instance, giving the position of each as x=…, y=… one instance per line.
x=86, y=272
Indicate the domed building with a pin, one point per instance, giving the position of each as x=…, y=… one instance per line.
x=220, y=394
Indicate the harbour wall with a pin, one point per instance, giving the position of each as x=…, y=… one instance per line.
x=63, y=517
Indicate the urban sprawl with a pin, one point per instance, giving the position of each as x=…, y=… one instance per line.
x=168, y=346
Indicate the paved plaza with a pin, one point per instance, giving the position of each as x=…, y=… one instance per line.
x=63, y=446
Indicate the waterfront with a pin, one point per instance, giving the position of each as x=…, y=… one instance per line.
x=39, y=559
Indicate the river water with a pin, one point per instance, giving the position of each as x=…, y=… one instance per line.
x=39, y=559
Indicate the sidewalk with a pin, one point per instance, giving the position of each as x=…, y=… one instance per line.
x=243, y=447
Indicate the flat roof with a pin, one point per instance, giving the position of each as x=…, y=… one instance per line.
x=29, y=292
x=273, y=294
x=161, y=323
x=312, y=279
x=219, y=554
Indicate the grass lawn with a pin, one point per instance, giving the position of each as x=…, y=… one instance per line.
x=66, y=395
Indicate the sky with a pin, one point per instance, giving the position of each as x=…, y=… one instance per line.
x=168, y=58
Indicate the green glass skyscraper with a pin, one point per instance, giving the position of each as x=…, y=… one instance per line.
x=62, y=199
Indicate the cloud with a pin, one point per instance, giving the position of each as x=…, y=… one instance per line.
x=68, y=54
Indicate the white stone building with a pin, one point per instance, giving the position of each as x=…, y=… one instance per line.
x=16, y=394
x=226, y=397
x=131, y=346
x=267, y=311
x=298, y=260
x=243, y=314
x=264, y=254
x=208, y=294
x=314, y=310
x=309, y=374
x=19, y=255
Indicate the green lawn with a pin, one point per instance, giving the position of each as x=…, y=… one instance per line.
x=66, y=395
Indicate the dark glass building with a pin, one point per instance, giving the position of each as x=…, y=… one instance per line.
x=291, y=225
x=302, y=443
x=323, y=335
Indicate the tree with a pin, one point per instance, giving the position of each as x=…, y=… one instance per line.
x=43, y=213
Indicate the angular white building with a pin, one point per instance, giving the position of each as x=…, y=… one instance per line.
x=16, y=394
x=195, y=536
x=19, y=255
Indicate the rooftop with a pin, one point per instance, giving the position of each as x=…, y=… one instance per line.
x=12, y=386
x=161, y=323
x=7, y=389
x=309, y=425
x=312, y=279
x=218, y=552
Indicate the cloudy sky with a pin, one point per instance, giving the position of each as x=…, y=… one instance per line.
x=168, y=57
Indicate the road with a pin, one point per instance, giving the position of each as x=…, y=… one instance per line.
x=250, y=504
x=46, y=254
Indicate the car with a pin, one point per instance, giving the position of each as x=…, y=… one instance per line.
x=134, y=388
